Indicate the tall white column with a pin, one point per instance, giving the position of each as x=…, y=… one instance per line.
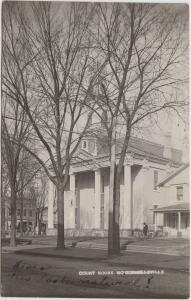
x=51, y=191
x=179, y=221
x=73, y=198
x=144, y=191
x=97, y=198
x=127, y=219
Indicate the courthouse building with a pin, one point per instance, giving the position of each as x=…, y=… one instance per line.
x=86, y=198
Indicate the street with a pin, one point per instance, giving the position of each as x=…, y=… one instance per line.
x=38, y=276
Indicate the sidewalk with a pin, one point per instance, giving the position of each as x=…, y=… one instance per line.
x=7, y=249
x=140, y=260
x=170, y=247
x=143, y=246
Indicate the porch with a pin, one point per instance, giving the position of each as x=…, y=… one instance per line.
x=174, y=219
x=86, y=201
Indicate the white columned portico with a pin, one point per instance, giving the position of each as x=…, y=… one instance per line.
x=127, y=214
x=51, y=192
x=73, y=198
x=97, y=198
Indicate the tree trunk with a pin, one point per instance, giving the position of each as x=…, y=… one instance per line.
x=111, y=196
x=118, y=171
x=21, y=216
x=111, y=211
x=39, y=228
x=116, y=224
x=3, y=219
x=35, y=224
x=13, y=218
x=3, y=222
x=38, y=223
x=21, y=201
x=60, y=210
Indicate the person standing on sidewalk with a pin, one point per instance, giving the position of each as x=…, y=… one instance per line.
x=145, y=229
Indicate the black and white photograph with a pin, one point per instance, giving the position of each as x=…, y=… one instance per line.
x=95, y=150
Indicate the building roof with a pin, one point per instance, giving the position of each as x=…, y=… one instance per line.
x=172, y=175
x=175, y=207
x=148, y=148
x=137, y=146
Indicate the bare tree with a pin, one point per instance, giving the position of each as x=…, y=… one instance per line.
x=144, y=44
x=28, y=170
x=15, y=132
x=24, y=166
x=55, y=76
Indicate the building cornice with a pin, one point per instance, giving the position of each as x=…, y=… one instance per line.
x=102, y=161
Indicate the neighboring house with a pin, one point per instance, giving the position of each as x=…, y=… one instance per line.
x=29, y=215
x=86, y=199
x=30, y=222
x=172, y=207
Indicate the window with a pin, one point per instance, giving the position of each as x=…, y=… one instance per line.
x=179, y=192
x=24, y=212
x=155, y=179
x=171, y=220
x=76, y=215
x=9, y=212
x=102, y=184
x=18, y=212
x=30, y=212
x=84, y=145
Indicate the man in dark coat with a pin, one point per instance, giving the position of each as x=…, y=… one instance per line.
x=145, y=229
